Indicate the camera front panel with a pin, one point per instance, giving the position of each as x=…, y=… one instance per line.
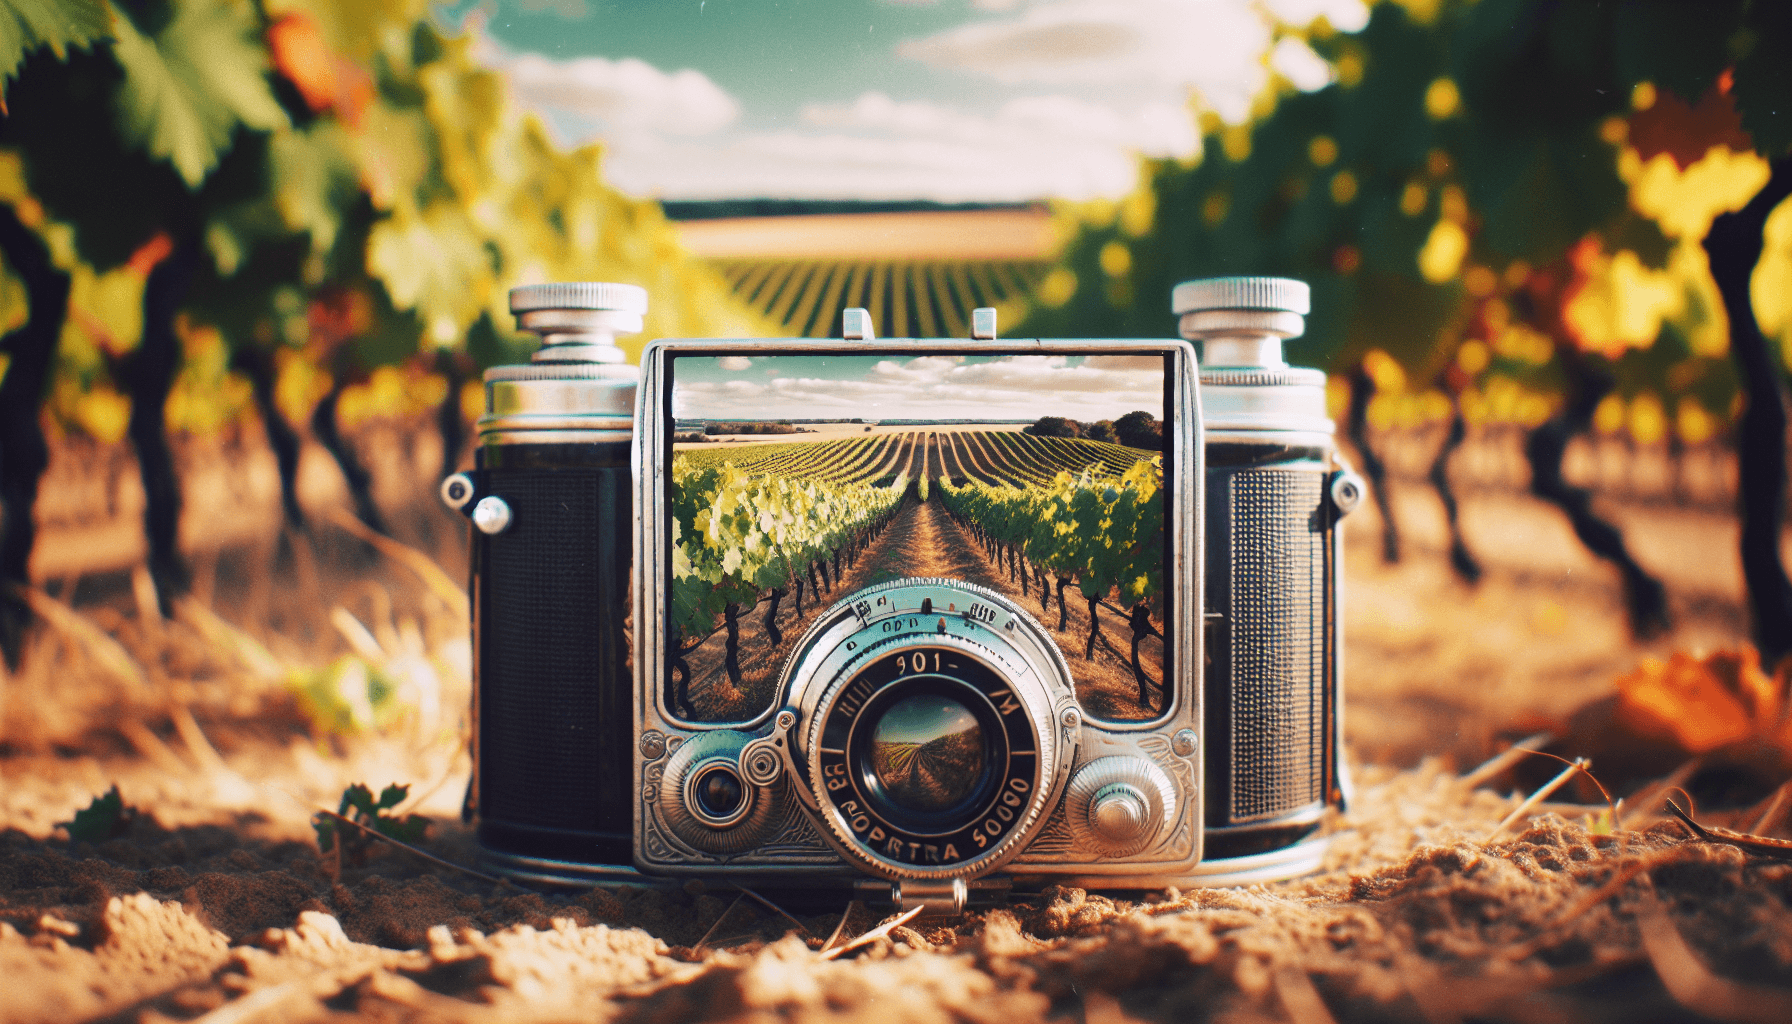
x=781, y=480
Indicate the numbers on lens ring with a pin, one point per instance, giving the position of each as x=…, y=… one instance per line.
x=916, y=662
x=898, y=625
x=980, y=613
x=835, y=775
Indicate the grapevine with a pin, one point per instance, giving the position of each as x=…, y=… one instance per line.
x=1101, y=531
x=737, y=535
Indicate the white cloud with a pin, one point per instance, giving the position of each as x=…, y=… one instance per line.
x=1210, y=45
x=568, y=9
x=1027, y=122
x=841, y=166
x=941, y=387
x=625, y=94
x=880, y=148
x=619, y=97
x=1107, y=81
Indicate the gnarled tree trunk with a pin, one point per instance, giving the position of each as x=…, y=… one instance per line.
x=24, y=455
x=1645, y=599
x=1734, y=247
x=359, y=480
x=1462, y=560
x=152, y=370
x=258, y=365
x=1362, y=388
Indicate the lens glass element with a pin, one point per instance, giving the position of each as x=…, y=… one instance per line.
x=928, y=752
x=719, y=793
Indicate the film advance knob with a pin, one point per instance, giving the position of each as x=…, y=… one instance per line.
x=1118, y=812
x=1118, y=804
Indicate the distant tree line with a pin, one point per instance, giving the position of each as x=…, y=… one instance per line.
x=1136, y=429
x=780, y=427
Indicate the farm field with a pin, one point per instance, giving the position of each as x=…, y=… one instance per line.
x=215, y=898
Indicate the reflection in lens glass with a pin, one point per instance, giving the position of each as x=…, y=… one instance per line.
x=928, y=752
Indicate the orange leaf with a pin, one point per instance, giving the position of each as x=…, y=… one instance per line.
x=297, y=45
x=151, y=253
x=1700, y=703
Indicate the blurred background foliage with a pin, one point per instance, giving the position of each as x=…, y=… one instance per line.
x=1482, y=182
x=1506, y=211
x=302, y=211
x=306, y=214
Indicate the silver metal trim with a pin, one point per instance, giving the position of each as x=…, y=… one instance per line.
x=983, y=323
x=457, y=489
x=1185, y=519
x=579, y=295
x=824, y=663
x=1286, y=294
x=945, y=899
x=530, y=436
x=855, y=325
x=549, y=871
x=1302, y=858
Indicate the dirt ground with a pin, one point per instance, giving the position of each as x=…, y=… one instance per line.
x=214, y=902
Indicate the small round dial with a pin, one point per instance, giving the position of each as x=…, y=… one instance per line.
x=1119, y=804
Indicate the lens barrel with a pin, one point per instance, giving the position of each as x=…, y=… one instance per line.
x=1273, y=682
x=939, y=726
x=550, y=501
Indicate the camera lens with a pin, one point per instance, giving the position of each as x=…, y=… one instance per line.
x=719, y=792
x=931, y=735
x=928, y=753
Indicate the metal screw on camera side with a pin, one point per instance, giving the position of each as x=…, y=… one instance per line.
x=1185, y=742
x=491, y=515
x=1347, y=493
x=457, y=490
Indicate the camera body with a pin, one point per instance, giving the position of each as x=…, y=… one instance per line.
x=895, y=633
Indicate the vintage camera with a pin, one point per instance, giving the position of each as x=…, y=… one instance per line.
x=893, y=632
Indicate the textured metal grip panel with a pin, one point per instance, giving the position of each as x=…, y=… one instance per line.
x=1277, y=643
x=554, y=679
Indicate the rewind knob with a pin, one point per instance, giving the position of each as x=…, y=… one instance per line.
x=1118, y=805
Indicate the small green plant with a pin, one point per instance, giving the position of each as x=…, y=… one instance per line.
x=106, y=818
x=359, y=805
x=348, y=696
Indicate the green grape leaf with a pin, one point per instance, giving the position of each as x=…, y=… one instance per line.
x=189, y=86
x=26, y=25
x=106, y=818
x=359, y=805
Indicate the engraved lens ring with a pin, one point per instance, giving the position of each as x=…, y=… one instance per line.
x=932, y=751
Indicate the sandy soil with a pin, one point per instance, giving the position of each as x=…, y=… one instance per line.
x=214, y=903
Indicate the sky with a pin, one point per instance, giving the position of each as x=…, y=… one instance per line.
x=923, y=387
x=944, y=100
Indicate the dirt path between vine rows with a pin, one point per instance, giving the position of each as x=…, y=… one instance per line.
x=922, y=540
x=1105, y=685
